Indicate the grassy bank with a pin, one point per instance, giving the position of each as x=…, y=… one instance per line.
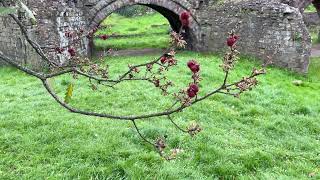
x=271, y=132
x=148, y=31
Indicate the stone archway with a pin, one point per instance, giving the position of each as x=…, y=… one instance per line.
x=305, y=3
x=309, y=18
x=171, y=10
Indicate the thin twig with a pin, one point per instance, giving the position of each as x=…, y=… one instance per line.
x=20, y=67
x=138, y=131
x=227, y=93
x=34, y=45
x=178, y=127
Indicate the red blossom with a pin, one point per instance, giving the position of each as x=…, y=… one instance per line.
x=59, y=50
x=172, y=62
x=193, y=90
x=72, y=51
x=231, y=41
x=136, y=70
x=156, y=82
x=163, y=59
x=194, y=66
x=104, y=37
x=149, y=67
x=184, y=18
x=194, y=87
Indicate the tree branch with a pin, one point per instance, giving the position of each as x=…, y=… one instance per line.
x=142, y=137
x=20, y=67
x=34, y=45
x=175, y=124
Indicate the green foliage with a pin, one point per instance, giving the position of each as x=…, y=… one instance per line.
x=130, y=11
x=311, y=8
x=5, y=11
x=314, y=70
x=271, y=132
x=314, y=33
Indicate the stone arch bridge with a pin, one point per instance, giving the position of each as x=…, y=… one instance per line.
x=268, y=29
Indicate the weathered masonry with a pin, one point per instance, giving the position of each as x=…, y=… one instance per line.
x=267, y=28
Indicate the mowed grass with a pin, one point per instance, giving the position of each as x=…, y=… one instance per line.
x=148, y=31
x=314, y=35
x=272, y=132
x=311, y=8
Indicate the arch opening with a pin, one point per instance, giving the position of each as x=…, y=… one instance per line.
x=135, y=29
x=168, y=9
x=311, y=13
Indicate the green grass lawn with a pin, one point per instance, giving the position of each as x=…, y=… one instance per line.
x=311, y=8
x=272, y=132
x=313, y=31
x=314, y=35
x=152, y=32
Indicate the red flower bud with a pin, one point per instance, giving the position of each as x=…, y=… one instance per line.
x=59, y=50
x=72, y=51
x=163, y=59
x=191, y=94
x=185, y=15
x=193, y=90
x=185, y=23
x=172, y=62
x=184, y=18
x=136, y=70
x=149, y=67
x=231, y=41
x=156, y=82
x=194, y=66
x=194, y=87
x=104, y=37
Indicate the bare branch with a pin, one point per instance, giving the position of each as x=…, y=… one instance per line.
x=20, y=67
x=175, y=124
x=142, y=137
x=34, y=45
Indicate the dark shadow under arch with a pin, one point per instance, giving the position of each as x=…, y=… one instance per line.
x=172, y=17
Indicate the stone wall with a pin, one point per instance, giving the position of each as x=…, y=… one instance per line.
x=311, y=19
x=14, y=45
x=54, y=19
x=266, y=28
x=300, y=4
x=70, y=17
